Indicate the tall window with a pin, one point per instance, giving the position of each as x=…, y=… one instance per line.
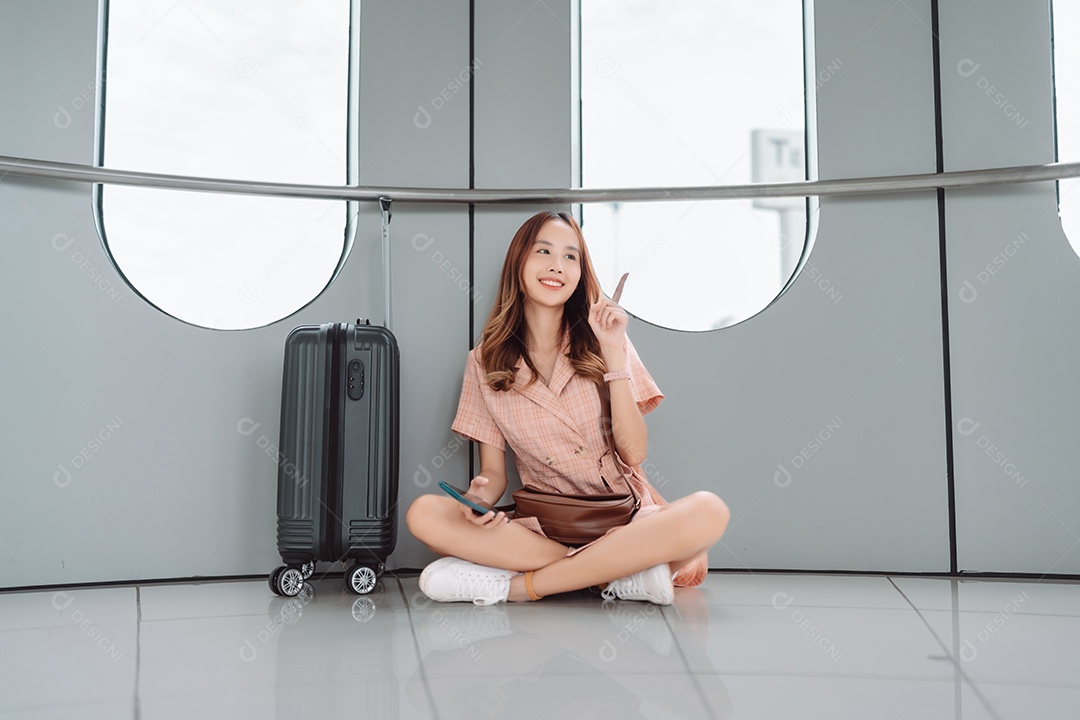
x=1067, y=104
x=236, y=89
x=694, y=93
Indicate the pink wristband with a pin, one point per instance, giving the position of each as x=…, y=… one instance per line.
x=617, y=375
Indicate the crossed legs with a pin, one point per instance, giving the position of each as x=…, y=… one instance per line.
x=675, y=534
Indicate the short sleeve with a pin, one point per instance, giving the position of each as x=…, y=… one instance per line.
x=473, y=420
x=646, y=393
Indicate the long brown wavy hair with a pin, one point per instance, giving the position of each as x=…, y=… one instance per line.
x=503, y=339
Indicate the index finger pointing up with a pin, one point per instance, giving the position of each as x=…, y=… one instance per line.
x=618, y=289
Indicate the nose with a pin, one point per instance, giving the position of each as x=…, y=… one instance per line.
x=556, y=264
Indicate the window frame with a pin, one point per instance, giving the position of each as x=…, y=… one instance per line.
x=810, y=149
x=352, y=161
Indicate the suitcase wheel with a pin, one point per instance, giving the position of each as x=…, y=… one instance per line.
x=287, y=581
x=308, y=569
x=361, y=579
x=272, y=580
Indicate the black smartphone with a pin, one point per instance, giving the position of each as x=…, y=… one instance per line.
x=477, y=505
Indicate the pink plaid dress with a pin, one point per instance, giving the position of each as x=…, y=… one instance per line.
x=557, y=434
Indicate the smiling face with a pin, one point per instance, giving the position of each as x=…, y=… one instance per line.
x=552, y=266
x=546, y=273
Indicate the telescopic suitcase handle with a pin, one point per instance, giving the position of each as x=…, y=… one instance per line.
x=384, y=205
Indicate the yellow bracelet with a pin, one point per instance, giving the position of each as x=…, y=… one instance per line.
x=529, y=587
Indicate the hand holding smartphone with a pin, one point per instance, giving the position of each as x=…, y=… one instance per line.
x=478, y=506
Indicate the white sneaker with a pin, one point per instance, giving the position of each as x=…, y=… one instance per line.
x=452, y=579
x=653, y=585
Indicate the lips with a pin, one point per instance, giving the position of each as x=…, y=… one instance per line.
x=552, y=283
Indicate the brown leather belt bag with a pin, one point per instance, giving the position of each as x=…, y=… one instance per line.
x=576, y=520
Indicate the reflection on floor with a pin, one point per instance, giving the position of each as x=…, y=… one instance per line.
x=742, y=645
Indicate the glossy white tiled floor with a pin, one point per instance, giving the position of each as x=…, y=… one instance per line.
x=742, y=646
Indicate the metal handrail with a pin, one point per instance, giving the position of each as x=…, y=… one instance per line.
x=857, y=186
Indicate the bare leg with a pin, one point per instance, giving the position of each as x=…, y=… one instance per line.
x=675, y=534
x=438, y=523
x=681, y=530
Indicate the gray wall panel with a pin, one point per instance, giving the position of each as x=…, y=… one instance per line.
x=875, y=110
x=827, y=448
x=829, y=451
x=523, y=102
x=1013, y=299
x=414, y=96
x=431, y=306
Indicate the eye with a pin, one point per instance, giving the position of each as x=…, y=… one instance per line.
x=542, y=250
x=571, y=256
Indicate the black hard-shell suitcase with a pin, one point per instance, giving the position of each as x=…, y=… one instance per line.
x=338, y=469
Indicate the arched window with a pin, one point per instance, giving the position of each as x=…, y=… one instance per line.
x=1066, y=15
x=243, y=89
x=694, y=94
